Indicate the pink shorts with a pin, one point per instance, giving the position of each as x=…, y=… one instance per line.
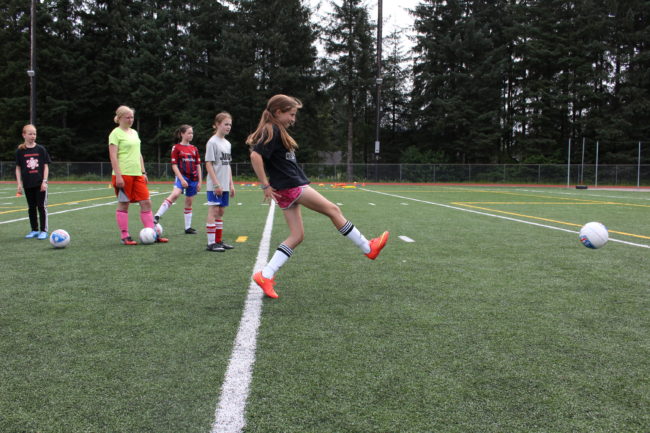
x=289, y=196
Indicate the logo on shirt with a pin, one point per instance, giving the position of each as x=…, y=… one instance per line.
x=225, y=159
x=32, y=163
x=291, y=156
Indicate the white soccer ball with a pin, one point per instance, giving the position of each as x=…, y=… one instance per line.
x=59, y=238
x=148, y=235
x=159, y=229
x=594, y=235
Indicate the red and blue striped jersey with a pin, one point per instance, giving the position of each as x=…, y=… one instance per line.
x=186, y=157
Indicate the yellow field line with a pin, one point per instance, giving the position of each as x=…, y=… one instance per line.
x=543, y=219
x=519, y=194
x=533, y=202
x=607, y=203
x=59, y=204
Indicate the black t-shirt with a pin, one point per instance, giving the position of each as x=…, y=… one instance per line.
x=280, y=164
x=32, y=164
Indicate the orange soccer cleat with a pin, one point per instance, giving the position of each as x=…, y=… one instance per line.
x=128, y=241
x=266, y=284
x=376, y=245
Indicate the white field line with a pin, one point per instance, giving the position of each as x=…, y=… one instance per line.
x=62, y=211
x=406, y=239
x=229, y=415
x=59, y=192
x=498, y=216
x=68, y=210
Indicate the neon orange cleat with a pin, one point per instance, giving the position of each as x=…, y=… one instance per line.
x=128, y=241
x=377, y=244
x=161, y=240
x=266, y=284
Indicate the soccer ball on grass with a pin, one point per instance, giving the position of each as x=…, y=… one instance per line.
x=59, y=238
x=148, y=236
x=594, y=235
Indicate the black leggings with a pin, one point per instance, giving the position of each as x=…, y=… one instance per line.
x=37, y=200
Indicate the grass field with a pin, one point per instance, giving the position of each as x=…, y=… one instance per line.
x=495, y=319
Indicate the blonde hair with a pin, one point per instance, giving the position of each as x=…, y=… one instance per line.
x=23, y=145
x=264, y=129
x=121, y=111
x=220, y=118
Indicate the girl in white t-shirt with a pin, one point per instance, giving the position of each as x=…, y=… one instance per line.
x=219, y=185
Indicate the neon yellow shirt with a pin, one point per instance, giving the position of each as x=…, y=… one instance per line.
x=128, y=150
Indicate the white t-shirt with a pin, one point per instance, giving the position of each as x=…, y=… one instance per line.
x=218, y=154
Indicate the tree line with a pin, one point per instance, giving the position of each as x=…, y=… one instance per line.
x=485, y=81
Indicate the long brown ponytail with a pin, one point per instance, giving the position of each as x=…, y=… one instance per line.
x=264, y=129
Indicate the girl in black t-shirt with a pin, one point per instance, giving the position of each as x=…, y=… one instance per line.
x=32, y=170
x=273, y=153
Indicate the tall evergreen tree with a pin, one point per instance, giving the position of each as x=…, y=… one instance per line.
x=273, y=51
x=395, y=97
x=14, y=83
x=349, y=45
x=456, y=93
x=630, y=103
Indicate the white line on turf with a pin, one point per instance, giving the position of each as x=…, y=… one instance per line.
x=62, y=192
x=62, y=211
x=406, y=239
x=66, y=211
x=498, y=216
x=229, y=415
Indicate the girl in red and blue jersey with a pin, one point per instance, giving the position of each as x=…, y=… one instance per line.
x=186, y=164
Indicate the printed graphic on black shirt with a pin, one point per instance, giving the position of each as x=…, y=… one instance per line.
x=32, y=162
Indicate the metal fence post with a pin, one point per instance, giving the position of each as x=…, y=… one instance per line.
x=638, y=170
x=596, y=174
x=568, y=166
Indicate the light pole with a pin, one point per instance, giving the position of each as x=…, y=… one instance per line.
x=31, y=72
x=379, y=79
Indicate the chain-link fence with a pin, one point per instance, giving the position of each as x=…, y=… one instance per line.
x=555, y=174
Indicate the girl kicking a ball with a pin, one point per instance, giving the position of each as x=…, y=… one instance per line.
x=274, y=161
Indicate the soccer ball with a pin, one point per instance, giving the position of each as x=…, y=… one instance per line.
x=59, y=238
x=158, y=228
x=594, y=235
x=148, y=235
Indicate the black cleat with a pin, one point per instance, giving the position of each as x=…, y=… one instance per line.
x=225, y=246
x=217, y=248
x=156, y=218
x=190, y=231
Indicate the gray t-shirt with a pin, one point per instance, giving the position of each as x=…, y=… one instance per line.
x=218, y=154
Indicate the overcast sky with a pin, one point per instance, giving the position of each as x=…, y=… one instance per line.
x=395, y=14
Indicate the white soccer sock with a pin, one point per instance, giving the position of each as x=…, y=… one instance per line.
x=210, y=229
x=188, y=217
x=166, y=204
x=282, y=254
x=351, y=232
